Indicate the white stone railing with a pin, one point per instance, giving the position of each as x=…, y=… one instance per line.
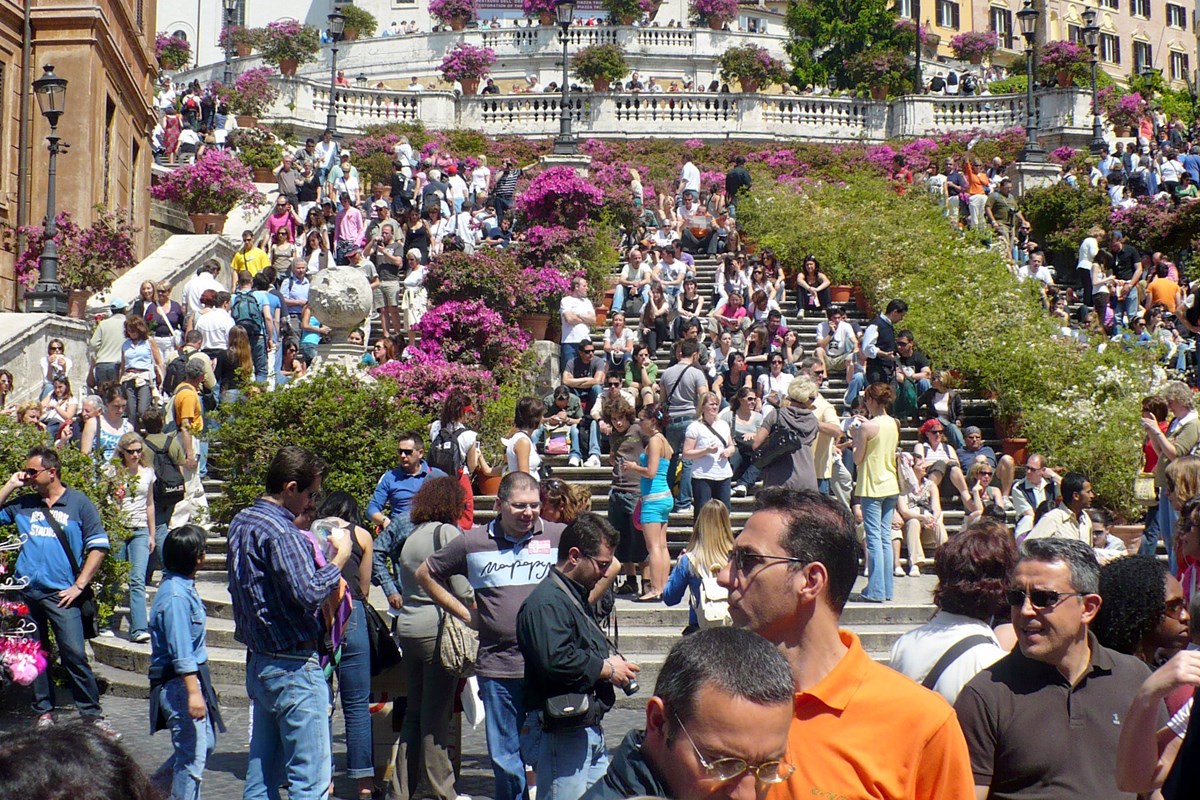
x=1061, y=113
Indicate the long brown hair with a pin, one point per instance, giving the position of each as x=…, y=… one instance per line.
x=238, y=351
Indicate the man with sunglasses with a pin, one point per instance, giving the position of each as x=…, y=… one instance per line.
x=1068, y=520
x=716, y=726
x=1044, y=721
x=859, y=729
x=568, y=656
x=54, y=586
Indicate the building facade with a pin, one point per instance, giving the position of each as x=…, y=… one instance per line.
x=105, y=50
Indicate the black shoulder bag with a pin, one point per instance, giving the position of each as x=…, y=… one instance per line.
x=950, y=656
x=783, y=440
x=86, y=601
x=572, y=710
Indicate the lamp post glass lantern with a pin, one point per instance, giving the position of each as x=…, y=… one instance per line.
x=566, y=144
x=337, y=25
x=1027, y=17
x=1091, y=38
x=48, y=296
x=230, y=7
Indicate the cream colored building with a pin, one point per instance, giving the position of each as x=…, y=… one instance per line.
x=105, y=50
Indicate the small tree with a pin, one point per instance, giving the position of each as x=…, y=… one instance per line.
x=252, y=92
x=466, y=62
x=599, y=63
x=452, y=11
x=974, y=46
x=360, y=20
x=751, y=63
x=172, y=52
x=289, y=40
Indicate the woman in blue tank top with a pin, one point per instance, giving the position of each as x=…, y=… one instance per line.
x=657, y=500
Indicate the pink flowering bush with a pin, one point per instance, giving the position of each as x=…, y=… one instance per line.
x=907, y=26
x=252, y=92
x=235, y=36
x=1124, y=110
x=88, y=258
x=1062, y=154
x=447, y=10
x=426, y=381
x=172, y=52
x=488, y=275
x=289, y=39
x=1062, y=56
x=535, y=8
x=558, y=196
x=715, y=9
x=471, y=333
x=216, y=183
x=749, y=62
x=974, y=45
x=467, y=62
x=1154, y=225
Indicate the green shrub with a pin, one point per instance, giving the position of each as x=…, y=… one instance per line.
x=359, y=19
x=1061, y=215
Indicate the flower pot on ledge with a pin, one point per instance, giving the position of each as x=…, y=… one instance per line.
x=749, y=86
x=1015, y=448
x=458, y=23
x=879, y=93
x=470, y=86
x=716, y=23
x=263, y=175
x=242, y=50
x=77, y=300
x=601, y=84
x=287, y=67
x=534, y=324
x=247, y=121
x=208, y=223
x=487, y=486
x=1064, y=79
x=841, y=294
x=546, y=18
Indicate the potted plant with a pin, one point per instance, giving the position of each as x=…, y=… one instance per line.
x=89, y=259
x=359, y=22
x=752, y=66
x=455, y=13
x=624, y=12
x=601, y=64
x=172, y=52
x=287, y=44
x=242, y=39
x=882, y=71
x=1061, y=58
x=209, y=189
x=250, y=96
x=974, y=46
x=542, y=9
x=467, y=64
x=715, y=12
x=258, y=149
x=1124, y=111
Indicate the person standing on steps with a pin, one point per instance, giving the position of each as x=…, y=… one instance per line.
x=680, y=387
x=879, y=343
x=578, y=315
x=277, y=586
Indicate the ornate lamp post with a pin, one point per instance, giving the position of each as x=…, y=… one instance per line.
x=1032, y=151
x=1091, y=37
x=337, y=24
x=230, y=7
x=48, y=296
x=566, y=144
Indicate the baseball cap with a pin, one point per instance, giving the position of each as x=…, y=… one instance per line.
x=452, y=170
x=118, y=304
x=380, y=203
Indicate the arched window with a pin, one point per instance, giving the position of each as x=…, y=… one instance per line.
x=182, y=34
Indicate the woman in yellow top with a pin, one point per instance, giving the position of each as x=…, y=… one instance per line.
x=875, y=440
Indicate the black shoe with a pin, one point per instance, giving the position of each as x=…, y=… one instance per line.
x=859, y=597
x=628, y=586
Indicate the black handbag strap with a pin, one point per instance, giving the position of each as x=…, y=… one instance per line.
x=62, y=539
x=720, y=438
x=950, y=656
x=575, y=602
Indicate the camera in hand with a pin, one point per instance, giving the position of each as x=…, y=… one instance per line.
x=631, y=688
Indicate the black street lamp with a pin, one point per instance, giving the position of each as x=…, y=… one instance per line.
x=566, y=144
x=918, y=79
x=337, y=24
x=1032, y=151
x=48, y=296
x=1091, y=37
x=230, y=7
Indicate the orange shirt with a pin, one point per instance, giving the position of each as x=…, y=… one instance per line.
x=866, y=731
x=187, y=407
x=1162, y=291
x=976, y=181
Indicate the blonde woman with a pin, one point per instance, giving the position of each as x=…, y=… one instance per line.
x=983, y=491
x=708, y=443
x=135, y=492
x=636, y=190
x=657, y=501
x=706, y=554
x=919, y=514
x=875, y=438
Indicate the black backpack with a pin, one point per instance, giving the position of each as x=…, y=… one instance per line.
x=168, y=477
x=173, y=375
x=445, y=454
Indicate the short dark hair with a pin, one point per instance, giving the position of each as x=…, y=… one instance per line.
x=412, y=436
x=153, y=419
x=1134, y=589
x=221, y=299
x=441, y=499
x=528, y=413
x=59, y=760
x=47, y=454
x=517, y=482
x=734, y=661
x=588, y=532
x=689, y=348
x=1072, y=484
x=193, y=336
x=293, y=463
x=1079, y=557
x=897, y=305
x=906, y=334
x=973, y=570
x=184, y=546
x=819, y=530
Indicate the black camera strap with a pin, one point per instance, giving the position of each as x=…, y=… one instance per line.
x=575, y=601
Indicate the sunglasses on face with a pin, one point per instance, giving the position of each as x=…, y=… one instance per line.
x=407, y=451
x=56, y=349
x=1040, y=599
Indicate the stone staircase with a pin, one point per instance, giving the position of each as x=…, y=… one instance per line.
x=646, y=632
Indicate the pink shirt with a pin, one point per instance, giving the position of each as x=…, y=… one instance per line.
x=277, y=221
x=350, y=225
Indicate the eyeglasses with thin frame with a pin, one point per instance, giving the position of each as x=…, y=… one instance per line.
x=723, y=770
x=602, y=566
x=1040, y=599
x=746, y=561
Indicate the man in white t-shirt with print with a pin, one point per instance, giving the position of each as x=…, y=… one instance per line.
x=578, y=315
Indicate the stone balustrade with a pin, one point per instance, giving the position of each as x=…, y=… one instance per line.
x=1063, y=115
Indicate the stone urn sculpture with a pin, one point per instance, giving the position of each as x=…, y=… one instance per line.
x=340, y=297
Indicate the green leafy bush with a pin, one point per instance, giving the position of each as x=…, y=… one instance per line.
x=359, y=19
x=1060, y=215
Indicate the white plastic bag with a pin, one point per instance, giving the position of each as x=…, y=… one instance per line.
x=471, y=703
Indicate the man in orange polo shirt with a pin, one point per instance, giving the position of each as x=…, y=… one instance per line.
x=859, y=729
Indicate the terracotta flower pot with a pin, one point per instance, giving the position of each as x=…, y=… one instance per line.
x=841, y=294
x=546, y=18
x=208, y=223
x=262, y=175
x=458, y=23
x=77, y=300
x=1064, y=79
x=716, y=23
x=470, y=86
x=626, y=19
x=977, y=59
x=749, y=86
x=1015, y=448
x=485, y=485
x=350, y=35
x=287, y=67
x=242, y=50
x=879, y=93
x=247, y=121
x=535, y=324
x=601, y=84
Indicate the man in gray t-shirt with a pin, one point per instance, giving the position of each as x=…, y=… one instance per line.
x=503, y=561
x=680, y=387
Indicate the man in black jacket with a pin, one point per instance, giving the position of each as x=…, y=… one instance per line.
x=716, y=726
x=568, y=662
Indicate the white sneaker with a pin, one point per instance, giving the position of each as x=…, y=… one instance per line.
x=141, y=638
x=573, y=461
x=739, y=490
x=914, y=571
x=107, y=633
x=898, y=572
x=593, y=461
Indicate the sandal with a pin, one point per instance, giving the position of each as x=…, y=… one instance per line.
x=650, y=598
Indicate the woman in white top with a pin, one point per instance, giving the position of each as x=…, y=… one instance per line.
x=618, y=341
x=59, y=407
x=1089, y=248
x=708, y=444
x=455, y=409
x=135, y=492
x=520, y=455
x=481, y=179
x=54, y=363
x=414, y=301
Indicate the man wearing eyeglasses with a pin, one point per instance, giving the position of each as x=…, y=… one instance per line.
x=567, y=656
x=1044, y=721
x=1068, y=520
x=53, y=586
x=859, y=729
x=504, y=561
x=1034, y=494
x=717, y=725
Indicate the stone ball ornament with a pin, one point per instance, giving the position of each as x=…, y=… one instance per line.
x=340, y=297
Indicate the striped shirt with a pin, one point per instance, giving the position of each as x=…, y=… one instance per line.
x=506, y=184
x=274, y=582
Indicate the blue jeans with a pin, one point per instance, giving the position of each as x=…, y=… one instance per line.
x=105, y=372
x=566, y=352
x=857, y=384
x=877, y=519
x=1150, y=533
x=675, y=435
x=570, y=762
x=622, y=292
x=1125, y=309
x=258, y=353
x=593, y=440
x=823, y=486
x=354, y=685
x=193, y=740
x=136, y=551
x=705, y=490
x=277, y=359
x=504, y=709
x=68, y=634
x=1166, y=527
x=290, y=743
